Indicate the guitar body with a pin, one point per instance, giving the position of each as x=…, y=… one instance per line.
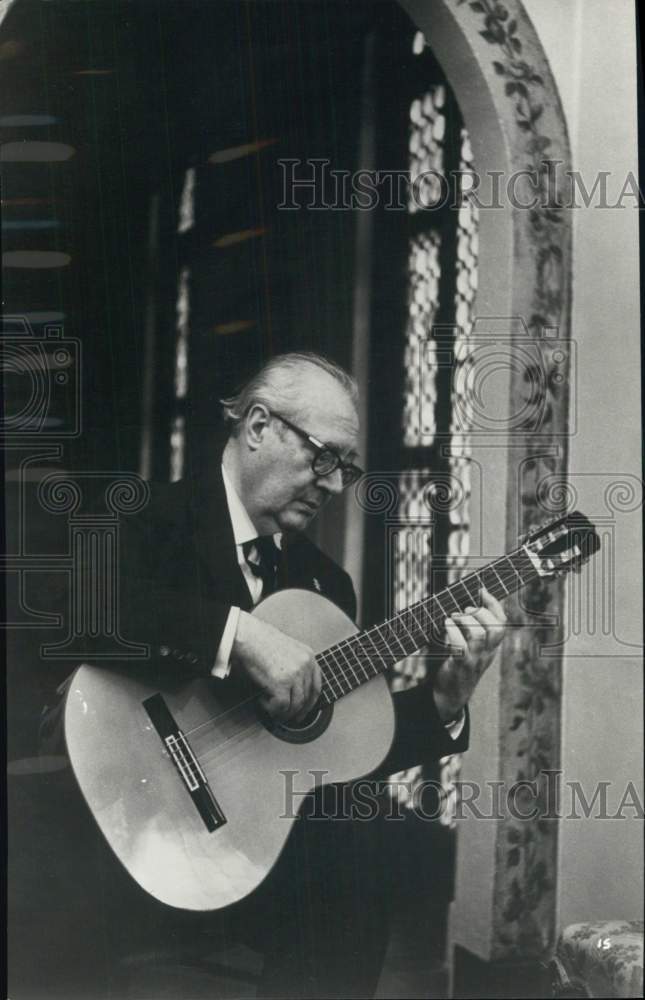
x=255, y=770
x=196, y=790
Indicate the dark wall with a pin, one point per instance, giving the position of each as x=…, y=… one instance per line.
x=86, y=68
x=141, y=91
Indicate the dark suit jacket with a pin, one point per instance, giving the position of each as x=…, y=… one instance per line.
x=179, y=577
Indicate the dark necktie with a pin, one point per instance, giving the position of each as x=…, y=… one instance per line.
x=263, y=557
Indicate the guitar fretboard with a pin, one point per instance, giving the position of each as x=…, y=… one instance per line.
x=352, y=662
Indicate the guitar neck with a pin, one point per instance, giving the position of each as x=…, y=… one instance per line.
x=352, y=662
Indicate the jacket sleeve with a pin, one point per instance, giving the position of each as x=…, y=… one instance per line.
x=420, y=736
x=179, y=625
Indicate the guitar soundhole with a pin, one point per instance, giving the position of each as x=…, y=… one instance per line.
x=311, y=727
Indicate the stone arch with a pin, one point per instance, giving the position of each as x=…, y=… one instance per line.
x=496, y=65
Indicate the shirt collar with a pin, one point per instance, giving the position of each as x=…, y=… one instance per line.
x=243, y=528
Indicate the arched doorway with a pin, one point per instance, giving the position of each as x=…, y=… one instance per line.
x=493, y=58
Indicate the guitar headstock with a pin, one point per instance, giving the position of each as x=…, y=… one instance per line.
x=562, y=545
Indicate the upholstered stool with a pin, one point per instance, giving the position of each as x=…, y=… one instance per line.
x=603, y=959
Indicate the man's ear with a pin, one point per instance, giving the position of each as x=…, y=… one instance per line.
x=255, y=426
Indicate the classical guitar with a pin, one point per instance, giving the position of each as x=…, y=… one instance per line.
x=186, y=779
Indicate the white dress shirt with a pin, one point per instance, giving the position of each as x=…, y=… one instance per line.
x=245, y=531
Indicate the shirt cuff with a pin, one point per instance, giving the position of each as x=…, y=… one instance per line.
x=455, y=728
x=222, y=665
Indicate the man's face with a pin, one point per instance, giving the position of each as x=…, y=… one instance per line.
x=288, y=493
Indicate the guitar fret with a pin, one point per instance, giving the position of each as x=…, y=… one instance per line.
x=460, y=583
x=506, y=590
x=514, y=574
x=510, y=561
x=339, y=646
x=384, y=641
x=351, y=662
x=479, y=584
x=376, y=649
x=387, y=645
x=329, y=660
x=401, y=619
x=422, y=630
x=356, y=660
x=472, y=600
x=351, y=643
x=516, y=571
x=453, y=598
x=508, y=574
x=445, y=613
x=490, y=579
x=366, y=661
x=343, y=679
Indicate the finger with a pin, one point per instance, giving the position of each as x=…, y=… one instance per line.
x=277, y=706
x=312, y=693
x=455, y=640
x=317, y=679
x=494, y=629
x=493, y=604
x=299, y=692
x=306, y=709
x=474, y=632
x=316, y=685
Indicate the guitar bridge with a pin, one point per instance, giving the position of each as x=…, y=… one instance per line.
x=183, y=757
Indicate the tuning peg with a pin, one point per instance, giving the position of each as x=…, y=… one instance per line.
x=526, y=534
x=532, y=530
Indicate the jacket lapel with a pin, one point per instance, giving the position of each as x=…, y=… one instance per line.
x=296, y=570
x=215, y=540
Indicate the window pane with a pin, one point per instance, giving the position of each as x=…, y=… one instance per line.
x=426, y=147
x=419, y=405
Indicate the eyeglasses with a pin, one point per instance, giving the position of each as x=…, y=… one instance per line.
x=326, y=460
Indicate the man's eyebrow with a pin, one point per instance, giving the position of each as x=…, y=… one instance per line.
x=351, y=455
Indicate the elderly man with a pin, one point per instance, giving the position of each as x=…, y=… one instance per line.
x=192, y=565
x=204, y=550
x=196, y=561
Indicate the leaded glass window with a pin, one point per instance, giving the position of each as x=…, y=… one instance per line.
x=424, y=272
x=428, y=532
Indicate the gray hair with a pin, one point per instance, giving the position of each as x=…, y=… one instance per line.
x=277, y=385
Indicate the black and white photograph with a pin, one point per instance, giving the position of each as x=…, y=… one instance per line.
x=321, y=427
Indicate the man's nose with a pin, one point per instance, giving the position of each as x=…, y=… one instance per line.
x=332, y=483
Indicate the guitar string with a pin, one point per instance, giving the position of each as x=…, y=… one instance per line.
x=381, y=649
x=240, y=737
x=224, y=714
x=229, y=743
x=253, y=723
x=237, y=739
x=408, y=619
